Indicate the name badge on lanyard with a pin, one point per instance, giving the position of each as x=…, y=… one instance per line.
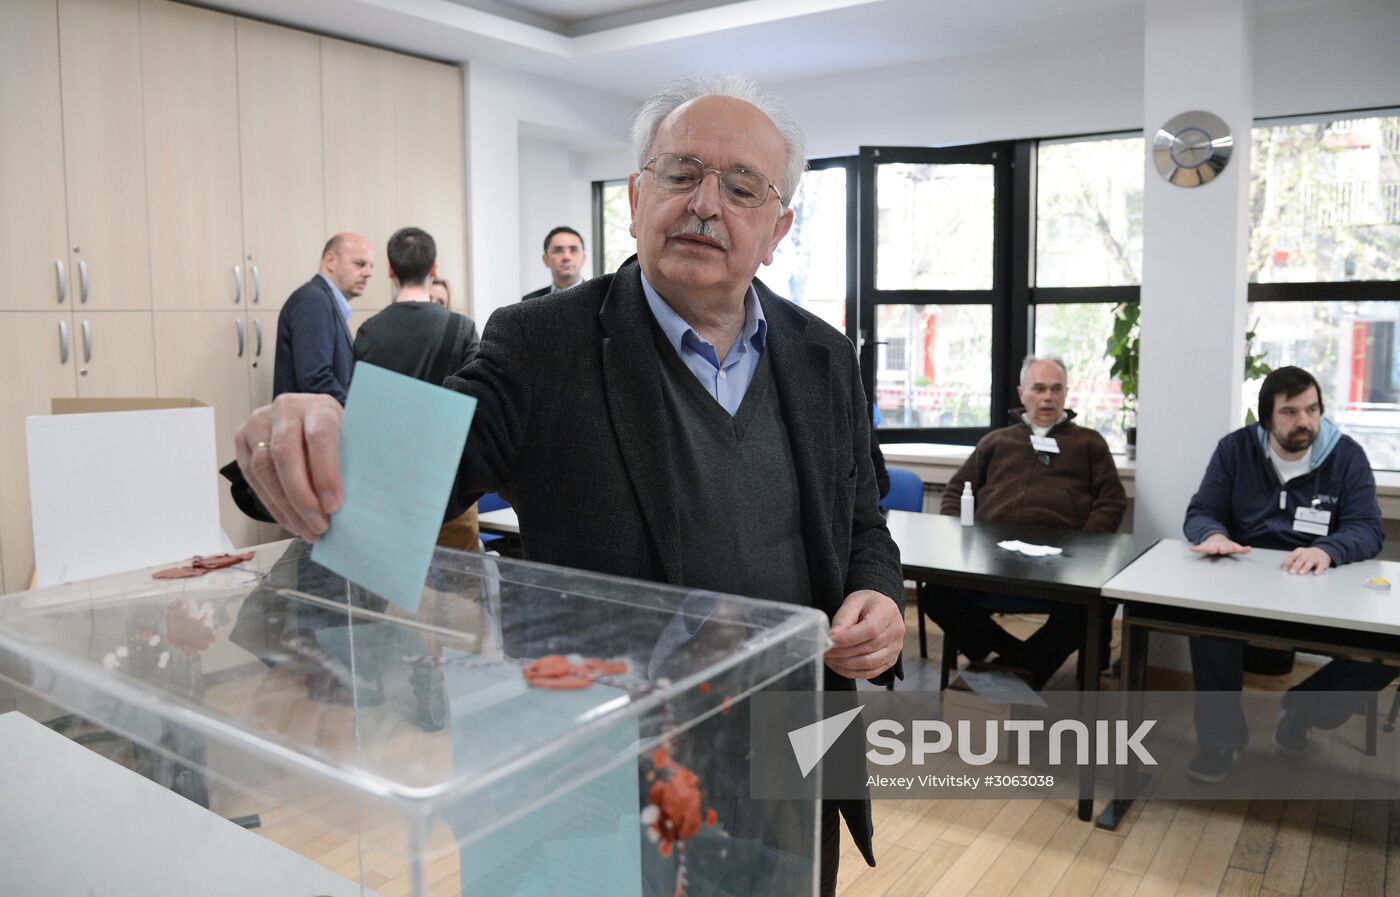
x=1313, y=521
x=1045, y=444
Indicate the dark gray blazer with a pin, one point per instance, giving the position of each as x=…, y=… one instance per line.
x=570, y=426
x=314, y=350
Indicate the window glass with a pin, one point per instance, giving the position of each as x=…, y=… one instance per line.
x=1088, y=209
x=1078, y=335
x=935, y=226
x=1353, y=349
x=1325, y=201
x=809, y=266
x=932, y=365
x=615, y=242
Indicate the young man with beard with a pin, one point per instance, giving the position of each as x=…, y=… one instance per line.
x=1292, y=481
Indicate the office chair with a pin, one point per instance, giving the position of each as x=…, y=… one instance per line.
x=1007, y=604
x=906, y=491
x=491, y=501
x=906, y=494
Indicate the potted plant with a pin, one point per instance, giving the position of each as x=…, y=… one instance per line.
x=1122, y=350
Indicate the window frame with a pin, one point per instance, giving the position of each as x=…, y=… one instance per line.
x=1323, y=290
x=599, y=252
x=1000, y=156
x=849, y=163
x=1315, y=290
x=1030, y=296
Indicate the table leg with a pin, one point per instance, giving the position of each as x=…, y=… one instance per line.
x=1135, y=641
x=1089, y=654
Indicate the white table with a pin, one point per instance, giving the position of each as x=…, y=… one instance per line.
x=1171, y=589
x=502, y=521
x=1255, y=585
x=75, y=823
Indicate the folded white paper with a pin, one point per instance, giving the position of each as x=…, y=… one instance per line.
x=1035, y=551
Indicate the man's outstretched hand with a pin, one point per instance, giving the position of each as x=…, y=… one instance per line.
x=289, y=453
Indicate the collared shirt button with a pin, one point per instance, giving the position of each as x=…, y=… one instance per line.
x=723, y=375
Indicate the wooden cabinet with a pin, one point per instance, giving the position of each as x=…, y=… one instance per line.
x=115, y=354
x=190, y=90
x=181, y=169
x=104, y=145
x=262, y=355
x=33, y=226
x=430, y=169
x=37, y=363
x=204, y=355
x=358, y=103
x=279, y=127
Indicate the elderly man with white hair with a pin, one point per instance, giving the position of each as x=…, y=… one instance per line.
x=1044, y=469
x=675, y=421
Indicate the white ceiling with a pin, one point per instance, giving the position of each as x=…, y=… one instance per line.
x=628, y=47
x=574, y=17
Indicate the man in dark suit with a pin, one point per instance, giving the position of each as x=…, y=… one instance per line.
x=564, y=257
x=314, y=349
x=675, y=421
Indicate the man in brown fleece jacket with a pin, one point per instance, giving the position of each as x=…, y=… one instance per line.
x=1043, y=469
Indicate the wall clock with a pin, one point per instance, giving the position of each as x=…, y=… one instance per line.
x=1192, y=148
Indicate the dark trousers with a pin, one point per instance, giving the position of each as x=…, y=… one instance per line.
x=830, y=848
x=1217, y=667
x=967, y=617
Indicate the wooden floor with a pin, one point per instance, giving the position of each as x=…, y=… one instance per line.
x=1039, y=848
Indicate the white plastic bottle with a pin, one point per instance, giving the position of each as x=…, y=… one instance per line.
x=967, y=504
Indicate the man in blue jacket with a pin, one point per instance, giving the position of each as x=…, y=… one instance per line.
x=1292, y=481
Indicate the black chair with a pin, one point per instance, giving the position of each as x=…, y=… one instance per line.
x=999, y=604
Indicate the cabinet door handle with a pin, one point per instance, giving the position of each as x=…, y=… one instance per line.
x=62, y=281
x=82, y=281
x=62, y=342
x=87, y=341
x=237, y=284
x=238, y=325
x=257, y=328
x=257, y=286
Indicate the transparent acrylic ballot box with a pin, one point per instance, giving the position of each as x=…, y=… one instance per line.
x=272, y=729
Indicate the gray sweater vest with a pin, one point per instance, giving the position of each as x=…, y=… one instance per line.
x=740, y=508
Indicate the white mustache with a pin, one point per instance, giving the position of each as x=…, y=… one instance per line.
x=697, y=227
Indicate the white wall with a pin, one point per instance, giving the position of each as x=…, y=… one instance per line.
x=1037, y=92
x=553, y=191
x=1337, y=55
x=503, y=105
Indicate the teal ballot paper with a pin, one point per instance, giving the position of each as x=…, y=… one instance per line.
x=400, y=443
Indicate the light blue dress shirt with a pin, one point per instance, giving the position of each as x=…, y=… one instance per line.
x=726, y=382
x=340, y=300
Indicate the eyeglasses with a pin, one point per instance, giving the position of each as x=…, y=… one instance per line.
x=682, y=174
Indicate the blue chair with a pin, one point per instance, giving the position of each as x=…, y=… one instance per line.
x=491, y=501
x=906, y=491
x=906, y=494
